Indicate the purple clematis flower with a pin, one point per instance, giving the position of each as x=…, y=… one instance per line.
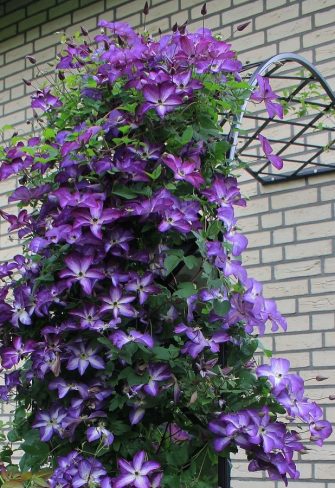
x=118, y=304
x=82, y=356
x=78, y=269
x=64, y=387
x=158, y=372
x=197, y=341
x=278, y=374
x=136, y=472
x=44, y=100
x=183, y=170
x=100, y=432
x=89, y=473
x=162, y=97
x=267, y=95
x=120, y=338
x=10, y=356
x=50, y=423
x=95, y=217
x=275, y=160
x=144, y=286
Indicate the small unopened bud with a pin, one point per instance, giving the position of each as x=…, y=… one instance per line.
x=84, y=31
x=204, y=9
x=35, y=114
x=15, y=134
x=332, y=397
x=146, y=8
x=175, y=27
x=31, y=59
x=106, y=45
x=61, y=75
x=182, y=28
x=23, y=180
x=321, y=378
x=243, y=26
x=26, y=82
x=159, y=31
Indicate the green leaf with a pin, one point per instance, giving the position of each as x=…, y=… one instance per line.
x=132, y=378
x=166, y=354
x=187, y=135
x=185, y=290
x=171, y=262
x=191, y=262
x=221, y=308
x=156, y=173
x=124, y=191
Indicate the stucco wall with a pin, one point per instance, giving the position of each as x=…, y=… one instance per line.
x=290, y=226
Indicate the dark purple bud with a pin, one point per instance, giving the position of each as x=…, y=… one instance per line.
x=321, y=378
x=332, y=397
x=84, y=31
x=241, y=27
x=106, y=45
x=61, y=75
x=146, y=8
x=23, y=180
x=175, y=27
x=182, y=28
x=31, y=59
x=15, y=134
x=26, y=82
x=159, y=31
x=204, y=9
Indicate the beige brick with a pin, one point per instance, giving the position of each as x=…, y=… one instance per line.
x=283, y=235
x=58, y=24
x=326, y=17
x=32, y=21
x=231, y=15
x=323, y=321
x=254, y=206
x=314, y=213
x=272, y=254
x=328, y=192
x=308, y=249
x=298, y=359
x=292, y=44
x=289, y=28
x=11, y=19
x=270, y=4
x=286, y=288
x=323, y=284
x=290, y=342
x=248, y=224
x=39, y=5
x=325, y=471
x=298, y=323
x=259, y=239
x=7, y=32
x=316, y=230
x=270, y=220
x=213, y=22
x=63, y=8
x=18, y=65
x=304, y=268
x=294, y=198
x=260, y=273
x=88, y=11
x=19, y=53
x=277, y=16
x=256, y=39
x=250, y=257
x=317, y=303
x=286, y=306
x=254, y=55
x=318, y=36
x=282, y=186
x=310, y=5
x=329, y=265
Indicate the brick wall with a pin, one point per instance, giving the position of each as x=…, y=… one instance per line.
x=290, y=226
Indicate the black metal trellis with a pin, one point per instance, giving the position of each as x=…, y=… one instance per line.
x=310, y=160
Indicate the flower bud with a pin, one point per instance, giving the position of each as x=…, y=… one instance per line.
x=84, y=31
x=146, y=8
x=241, y=27
x=321, y=378
x=204, y=9
x=31, y=59
x=26, y=82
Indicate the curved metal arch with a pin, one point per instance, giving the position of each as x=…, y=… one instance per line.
x=268, y=68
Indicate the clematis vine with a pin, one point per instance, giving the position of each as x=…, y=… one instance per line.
x=131, y=281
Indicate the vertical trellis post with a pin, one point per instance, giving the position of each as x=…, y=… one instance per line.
x=223, y=463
